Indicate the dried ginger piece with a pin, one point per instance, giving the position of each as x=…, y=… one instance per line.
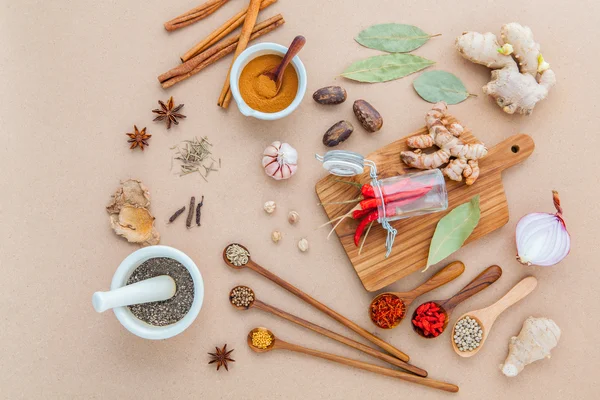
x=129, y=214
x=460, y=157
x=131, y=192
x=520, y=77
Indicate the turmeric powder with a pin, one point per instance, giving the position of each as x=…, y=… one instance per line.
x=260, y=92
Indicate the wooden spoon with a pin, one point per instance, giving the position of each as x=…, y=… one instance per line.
x=276, y=74
x=487, y=316
x=481, y=281
x=445, y=275
x=319, y=306
x=278, y=344
x=325, y=332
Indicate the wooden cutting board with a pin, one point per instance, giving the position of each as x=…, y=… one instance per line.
x=414, y=234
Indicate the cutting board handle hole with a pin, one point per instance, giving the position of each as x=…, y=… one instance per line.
x=515, y=149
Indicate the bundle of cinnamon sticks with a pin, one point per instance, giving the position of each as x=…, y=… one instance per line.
x=215, y=46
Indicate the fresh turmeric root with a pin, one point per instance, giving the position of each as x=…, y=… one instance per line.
x=520, y=77
x=460, y=157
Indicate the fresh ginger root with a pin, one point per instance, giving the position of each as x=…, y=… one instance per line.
x=520, y=76
x=537, y=337
x=461, y=158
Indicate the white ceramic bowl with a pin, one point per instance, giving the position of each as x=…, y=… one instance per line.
x=251, y=53
x=139, y=327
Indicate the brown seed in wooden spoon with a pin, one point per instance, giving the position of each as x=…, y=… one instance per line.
x=276, y=74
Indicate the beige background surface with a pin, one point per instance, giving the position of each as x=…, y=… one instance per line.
x=75, y=76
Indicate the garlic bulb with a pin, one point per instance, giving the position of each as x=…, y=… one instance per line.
x=280, y=160
x=542, y=238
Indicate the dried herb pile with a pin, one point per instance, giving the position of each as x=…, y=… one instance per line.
x=195, y=156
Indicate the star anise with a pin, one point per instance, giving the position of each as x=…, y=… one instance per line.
x=168, y=113
x=138, y=138
x=221, y=357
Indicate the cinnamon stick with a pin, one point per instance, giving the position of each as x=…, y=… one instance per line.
x=215, y=53
x=224, y=30
x=194, y=15
x=249, y=22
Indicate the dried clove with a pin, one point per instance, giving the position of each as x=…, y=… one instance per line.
x=177, y=214
x=188, y=223
x=199, y=211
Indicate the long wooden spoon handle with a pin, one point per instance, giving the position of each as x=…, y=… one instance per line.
x=448, y=387
x=328, y=311
x=482, y=281
x=443, y=276
x=514, y=295
x=294, y=48
x=342, y=339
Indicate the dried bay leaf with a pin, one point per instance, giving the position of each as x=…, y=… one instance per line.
x=435, y=86
x=393, y=38
x=385, y=67
x=452, y=231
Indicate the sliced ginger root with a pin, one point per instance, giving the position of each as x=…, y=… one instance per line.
x=129, y=214
x=535, y=341
x=520, y=77
x=461, y=158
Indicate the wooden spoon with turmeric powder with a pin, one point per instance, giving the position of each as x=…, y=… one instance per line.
x=261, y=340
x=276, y=74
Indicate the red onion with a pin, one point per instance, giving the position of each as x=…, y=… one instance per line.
x=542, y=238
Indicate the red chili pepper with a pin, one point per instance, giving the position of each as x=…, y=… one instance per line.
x=359, y=214
x=391, y=198
x=430, y=319
x=367, y=190
x=372, y=216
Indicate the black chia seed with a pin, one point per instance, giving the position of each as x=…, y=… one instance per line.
x=162, y=313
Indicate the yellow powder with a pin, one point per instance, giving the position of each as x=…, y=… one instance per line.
x=260, y=92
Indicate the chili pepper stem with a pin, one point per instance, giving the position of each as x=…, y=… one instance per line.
x=365, y=238
x=343, y=202
x=340, y=217
x=349, y=213
x=358, y=185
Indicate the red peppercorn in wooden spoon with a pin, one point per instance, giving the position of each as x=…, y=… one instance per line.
x=430, y=319
x=388, y=309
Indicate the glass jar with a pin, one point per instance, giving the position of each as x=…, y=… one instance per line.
x=410, y=195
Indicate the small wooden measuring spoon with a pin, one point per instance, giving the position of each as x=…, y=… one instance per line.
x=276, y=74
x=443, y=276
x=278, y=344
x=487, y=316
x=325, y=332
x=319, y=306
x=481, y=281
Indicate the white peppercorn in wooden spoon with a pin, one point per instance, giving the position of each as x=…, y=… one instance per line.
x=277, y=344
x=486, y=317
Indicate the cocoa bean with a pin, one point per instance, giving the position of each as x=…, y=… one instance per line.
x=337, y=133
x=368, y=116
x=330, y=95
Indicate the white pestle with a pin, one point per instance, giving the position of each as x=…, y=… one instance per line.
x=158, y=288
